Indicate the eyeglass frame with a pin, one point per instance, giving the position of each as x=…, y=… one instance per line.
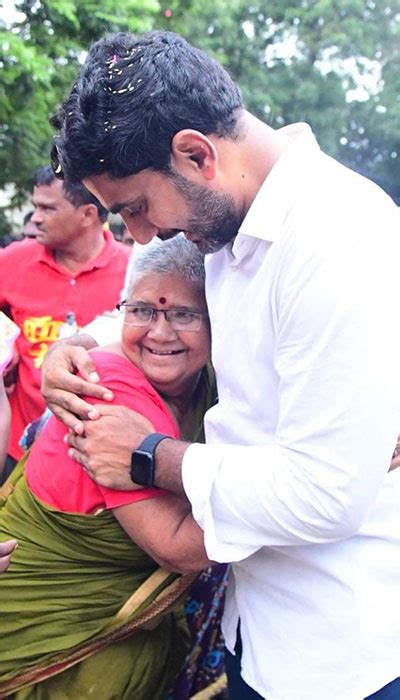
x=197, y=314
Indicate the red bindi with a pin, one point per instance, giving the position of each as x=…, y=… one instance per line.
x=162, y=300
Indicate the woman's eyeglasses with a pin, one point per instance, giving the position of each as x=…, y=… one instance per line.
x=180, y=319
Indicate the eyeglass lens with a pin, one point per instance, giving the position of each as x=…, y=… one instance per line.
x=179, y=319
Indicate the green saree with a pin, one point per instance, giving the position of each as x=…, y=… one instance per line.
x=83, y=611
x=75, y=574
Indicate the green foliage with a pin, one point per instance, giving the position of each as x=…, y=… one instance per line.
x=298, y=59
x=40, y=53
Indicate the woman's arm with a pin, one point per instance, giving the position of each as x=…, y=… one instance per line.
x=164, y=528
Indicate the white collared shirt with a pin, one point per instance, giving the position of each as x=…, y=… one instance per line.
x=293, y=484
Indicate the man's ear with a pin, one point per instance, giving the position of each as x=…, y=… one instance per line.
x=90, y=214
x=192, y=153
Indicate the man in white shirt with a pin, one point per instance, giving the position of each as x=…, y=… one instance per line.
x=292, y=485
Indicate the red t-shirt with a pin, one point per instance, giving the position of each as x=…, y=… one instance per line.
x=60, y=482
x=38, y=294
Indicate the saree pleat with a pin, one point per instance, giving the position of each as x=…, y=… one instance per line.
x=91, y=570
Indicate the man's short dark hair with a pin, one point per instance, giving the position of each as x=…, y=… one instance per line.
x=28, y=216
x=133, y=94
x=74, y=191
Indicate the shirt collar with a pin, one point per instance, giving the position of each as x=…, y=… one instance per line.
x=101, y=260
x=273, y=201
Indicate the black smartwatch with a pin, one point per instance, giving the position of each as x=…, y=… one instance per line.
x=142, y=460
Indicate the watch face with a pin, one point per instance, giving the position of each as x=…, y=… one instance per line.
x=142, y=468
x=142, y=460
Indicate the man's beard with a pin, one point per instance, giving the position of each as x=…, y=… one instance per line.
x=213, y=219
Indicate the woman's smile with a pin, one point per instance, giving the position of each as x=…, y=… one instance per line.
x=153, y=351
x=170, y=359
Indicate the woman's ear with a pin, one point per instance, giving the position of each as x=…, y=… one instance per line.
x=192, y=153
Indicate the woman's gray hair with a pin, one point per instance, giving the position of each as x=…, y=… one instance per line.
x=175, y=256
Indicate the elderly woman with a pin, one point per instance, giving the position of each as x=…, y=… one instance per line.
x=86, y=562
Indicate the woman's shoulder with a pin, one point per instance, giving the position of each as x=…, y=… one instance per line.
x=108, y=357
x=119, y=374
x=132, y=390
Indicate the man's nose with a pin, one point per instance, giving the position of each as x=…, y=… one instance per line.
x=36, y=217
x=141, y=230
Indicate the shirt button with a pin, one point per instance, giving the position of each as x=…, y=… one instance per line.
x=73, y=281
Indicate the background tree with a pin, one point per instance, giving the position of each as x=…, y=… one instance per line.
x=332, y=63
x=294, y=60
x=40, y=51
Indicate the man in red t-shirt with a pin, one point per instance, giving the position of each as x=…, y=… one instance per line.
x=55, y=283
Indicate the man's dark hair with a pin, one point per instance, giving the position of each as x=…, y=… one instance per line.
x=28, y=216
x=75, y=192
x=133, y=94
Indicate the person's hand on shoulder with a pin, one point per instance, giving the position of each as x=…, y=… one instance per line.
x=106, y=446
x=62, y=388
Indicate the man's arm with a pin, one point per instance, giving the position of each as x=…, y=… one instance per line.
x=106, y=446
x=120, y=431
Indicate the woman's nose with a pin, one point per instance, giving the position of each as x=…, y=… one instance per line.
x=160, y=327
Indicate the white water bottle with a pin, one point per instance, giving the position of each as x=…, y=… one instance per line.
x=69, y=327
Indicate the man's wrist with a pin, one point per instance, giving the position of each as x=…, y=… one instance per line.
x=169, y=455
x=143, y=460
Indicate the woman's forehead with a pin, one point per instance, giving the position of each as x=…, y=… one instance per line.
x=166, y=288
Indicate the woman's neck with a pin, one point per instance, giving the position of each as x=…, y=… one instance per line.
x=180, y=407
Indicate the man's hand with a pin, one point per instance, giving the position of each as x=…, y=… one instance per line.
x=61, y=387
x=105, y=448
x=6, y=550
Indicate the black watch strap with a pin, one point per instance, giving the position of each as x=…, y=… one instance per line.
x=142, y=460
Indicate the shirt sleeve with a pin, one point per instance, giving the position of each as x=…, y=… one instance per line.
x=105, y=328
x=336, y=358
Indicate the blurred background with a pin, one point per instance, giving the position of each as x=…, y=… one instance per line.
x=332, y=63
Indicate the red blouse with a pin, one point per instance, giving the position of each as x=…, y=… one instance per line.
x=60, y=482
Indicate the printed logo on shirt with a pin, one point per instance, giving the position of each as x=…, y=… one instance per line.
x=41, y=331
